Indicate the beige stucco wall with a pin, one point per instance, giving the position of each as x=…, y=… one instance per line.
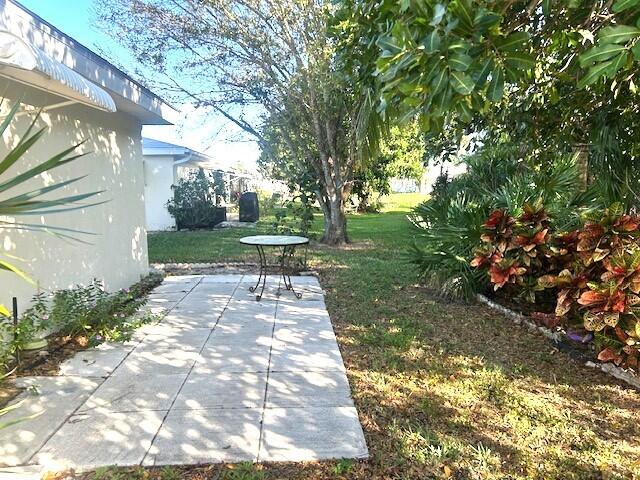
x=159, y=176
x=117, y=250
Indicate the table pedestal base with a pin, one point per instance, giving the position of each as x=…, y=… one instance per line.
x=284, y=267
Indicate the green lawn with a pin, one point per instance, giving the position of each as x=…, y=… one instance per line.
x=444, y=390
x=223, y=246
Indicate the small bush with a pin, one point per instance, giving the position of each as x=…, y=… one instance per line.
x=593, y=272
x=89, y=311
x=194, y=203
x=450, y=222
x=296, y=217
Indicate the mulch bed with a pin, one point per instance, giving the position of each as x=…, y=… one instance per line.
x=47, y=362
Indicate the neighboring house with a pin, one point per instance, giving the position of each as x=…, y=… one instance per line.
x=431, y=173
x=164, y=164
x=83, y=97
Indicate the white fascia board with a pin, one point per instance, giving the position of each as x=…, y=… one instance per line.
x=129, y=95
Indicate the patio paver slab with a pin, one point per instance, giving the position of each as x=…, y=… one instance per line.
x=50, y=400
x=219, y=377
x=158, y=361
x=166, y=296
x=320, y=356
x=308, y=389
x=131, y=393
x=87, y=441
x=94, y=362
x=233, y=358
x=176, y=337
x=314, y=433
x=222, y=278
x=204, y=436
x=222, y=390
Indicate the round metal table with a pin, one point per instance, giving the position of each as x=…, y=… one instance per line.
x=288, y=243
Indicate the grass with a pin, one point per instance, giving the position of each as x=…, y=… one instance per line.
x=443, y=390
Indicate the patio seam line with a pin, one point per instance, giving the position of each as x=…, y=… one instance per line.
x=104, y=379
x=29, y=460
x=183, y=297
x=266, y=387
x=164, y=419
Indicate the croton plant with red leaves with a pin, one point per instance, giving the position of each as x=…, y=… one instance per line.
x=595, y=272
x=516, y=250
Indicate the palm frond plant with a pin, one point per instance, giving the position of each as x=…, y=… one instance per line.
x=451, y=221
x=14, y=201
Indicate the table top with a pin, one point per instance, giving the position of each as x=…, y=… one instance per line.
x=274, y=240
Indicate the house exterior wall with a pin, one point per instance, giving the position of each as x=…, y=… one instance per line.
x=159, y=175
x=116, y=251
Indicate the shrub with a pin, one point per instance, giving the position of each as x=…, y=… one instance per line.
x=594, y=273
x=34, y=322
x=296, y=217
x=194, y=201
x=450, y=223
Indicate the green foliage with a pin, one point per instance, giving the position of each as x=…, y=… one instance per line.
x=194, y=202
x=594, y=273
x=296, y=217
x=343, y=466
x=98, y=315
x=402, y=154
x=244, y=471
x=84, y=310
x=120, y=473
x=617, y=49
x=436, y=59
x=32, y=325
x=478, y=56
x=451, y=221
x=170, y=473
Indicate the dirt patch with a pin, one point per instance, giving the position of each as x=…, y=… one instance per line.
x=44, y=363
x=8, y=391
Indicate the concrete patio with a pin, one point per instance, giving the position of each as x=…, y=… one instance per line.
x=221, y=378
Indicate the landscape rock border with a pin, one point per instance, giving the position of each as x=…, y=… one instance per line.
x=204, y=268
x=558, y=338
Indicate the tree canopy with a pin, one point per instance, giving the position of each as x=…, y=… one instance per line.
x=266, y=66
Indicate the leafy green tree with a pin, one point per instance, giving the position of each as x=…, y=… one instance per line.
x=433, y=59
x=560, y=46
x=402, y=154
x=404, y=147
x=257, y=63
x=617, y=46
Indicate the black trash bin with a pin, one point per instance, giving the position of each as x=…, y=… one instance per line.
x=249, y=210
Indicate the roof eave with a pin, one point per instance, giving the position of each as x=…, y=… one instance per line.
x=130, y=96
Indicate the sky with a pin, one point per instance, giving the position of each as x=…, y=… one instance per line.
x=195, y=129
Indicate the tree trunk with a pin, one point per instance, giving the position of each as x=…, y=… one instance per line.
x=363, y=203
x=581, y=153
x=335, y=222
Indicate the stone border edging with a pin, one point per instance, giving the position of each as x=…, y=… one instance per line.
x=558, y=338
x=163, y=267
